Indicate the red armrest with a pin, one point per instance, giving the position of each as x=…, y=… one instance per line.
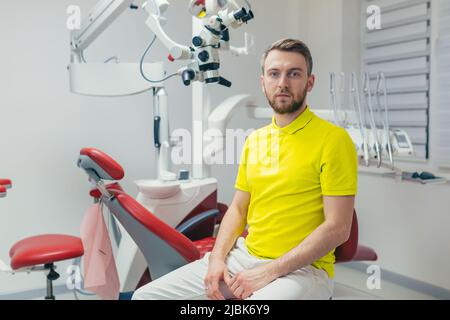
x=175, y=239
x=6, y=183
x=2, y=191
x=364, y=253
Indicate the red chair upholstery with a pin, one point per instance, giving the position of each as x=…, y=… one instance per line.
x=181, y=244
x=364, y=253
x=6, y=183
x=44, y=249
x=205, y=245
x=164, y=247
x=350, y=250
x=2, y=191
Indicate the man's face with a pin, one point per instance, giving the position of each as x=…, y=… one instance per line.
x=285, y=81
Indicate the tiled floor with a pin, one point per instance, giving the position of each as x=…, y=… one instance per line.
x=351, y=284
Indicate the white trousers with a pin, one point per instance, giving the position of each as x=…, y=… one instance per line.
x=187, y=282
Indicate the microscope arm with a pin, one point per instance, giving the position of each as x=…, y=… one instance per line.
x=100, y=17
x=177, y=51
x=106, y=11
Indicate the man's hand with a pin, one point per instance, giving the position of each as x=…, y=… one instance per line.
x=244, y=283
x=217, y=271
x=231, y=227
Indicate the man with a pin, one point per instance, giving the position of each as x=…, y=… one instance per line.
x=295, y=190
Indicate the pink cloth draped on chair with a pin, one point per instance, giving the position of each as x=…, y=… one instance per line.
x=100, y=272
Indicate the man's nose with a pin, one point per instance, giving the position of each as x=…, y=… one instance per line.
x=283, y=81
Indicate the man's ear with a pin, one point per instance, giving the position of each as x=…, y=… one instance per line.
x=261, y=81
x=311, y=82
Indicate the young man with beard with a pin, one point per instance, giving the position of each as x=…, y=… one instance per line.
x=296, y=187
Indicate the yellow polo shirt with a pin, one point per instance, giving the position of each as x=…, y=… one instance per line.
x=287, y=171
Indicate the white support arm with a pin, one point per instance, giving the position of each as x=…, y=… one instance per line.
x=108, y=79
x=219, y=118
x=113, y=79
x=177, y=51
x=240, y=51
x=106, y=11
x=218, y=121
x=100, y=17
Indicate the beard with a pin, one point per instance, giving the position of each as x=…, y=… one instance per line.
x=293, y=107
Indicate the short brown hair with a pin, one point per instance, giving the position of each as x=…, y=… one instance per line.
x=290, y=45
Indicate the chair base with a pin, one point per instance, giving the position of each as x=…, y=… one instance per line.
x=51, y=276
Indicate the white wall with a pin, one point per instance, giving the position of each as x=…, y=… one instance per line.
x=407, y=224
x=330, y=29
x=324, y=37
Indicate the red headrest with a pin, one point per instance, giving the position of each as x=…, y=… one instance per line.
x=108, y=164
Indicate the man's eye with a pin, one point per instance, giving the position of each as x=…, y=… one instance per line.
x=295, y=74
x=273, y=74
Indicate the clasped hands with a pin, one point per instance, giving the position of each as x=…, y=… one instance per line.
x=242, y=285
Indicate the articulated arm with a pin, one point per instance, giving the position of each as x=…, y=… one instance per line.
x=106, y=79
x=155, y=10
x=100, y=17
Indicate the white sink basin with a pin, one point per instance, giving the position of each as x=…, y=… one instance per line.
x=156, y=189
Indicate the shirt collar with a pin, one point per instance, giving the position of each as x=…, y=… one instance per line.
x=299, y=123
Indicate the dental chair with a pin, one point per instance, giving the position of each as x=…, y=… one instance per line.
x=165, y=248
x=39, y=253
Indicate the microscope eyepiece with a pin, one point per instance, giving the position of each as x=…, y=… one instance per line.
x=187, y=76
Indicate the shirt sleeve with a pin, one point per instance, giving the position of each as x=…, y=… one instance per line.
x=241, y=179
x=339, y=165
